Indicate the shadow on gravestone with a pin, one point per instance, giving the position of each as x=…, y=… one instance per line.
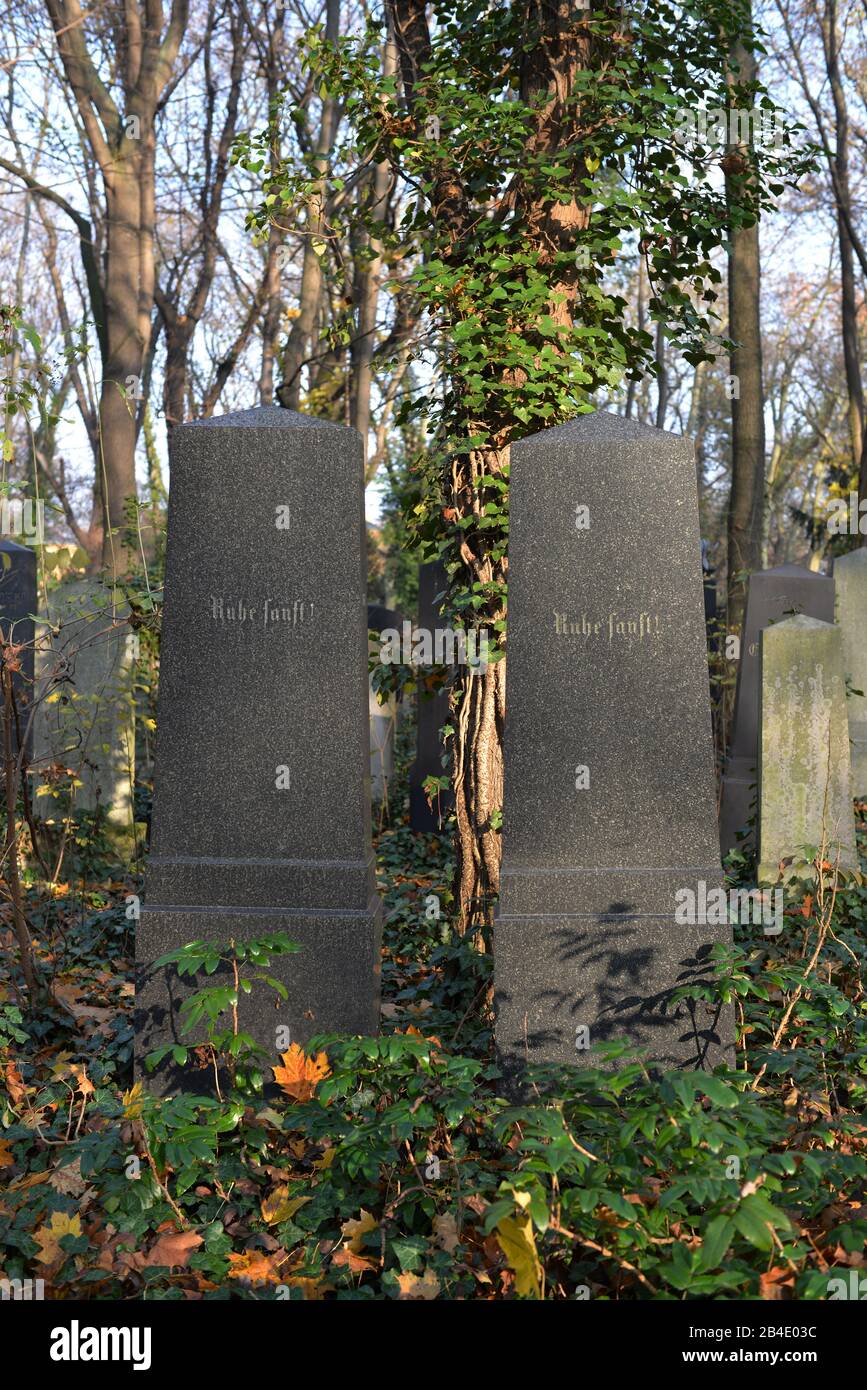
x=609, y=810
x=261, y=819
x=772, y=595
x=382, y=717
x=431, y=715
x=850, y=578
x=805, y=774
x=17, y=609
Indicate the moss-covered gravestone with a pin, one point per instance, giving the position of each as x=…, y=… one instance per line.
x=772, y=596
x=86, y=723
x=261, y=817
x=850, y=577
x=805, y=783
x=609, y=815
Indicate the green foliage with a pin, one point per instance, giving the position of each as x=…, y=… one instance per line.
x=242, y=965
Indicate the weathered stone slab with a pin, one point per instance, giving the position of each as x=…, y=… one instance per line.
x=261, y=818
x=772, y=596
x=850, y=577
x=87, y=722
x=805, y=775
x=609, y=811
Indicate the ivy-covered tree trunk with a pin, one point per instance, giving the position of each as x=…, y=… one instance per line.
x=556, y=47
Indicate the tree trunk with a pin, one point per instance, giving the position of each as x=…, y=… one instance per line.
x=747, y=497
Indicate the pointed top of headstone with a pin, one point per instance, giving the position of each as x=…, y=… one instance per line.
x=797, y=620
x=790, y=569
x=852, y=557
x=11, y=547
x=600, y=425
x=267, y=417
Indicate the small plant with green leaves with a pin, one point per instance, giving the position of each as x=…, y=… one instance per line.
x=246, y=963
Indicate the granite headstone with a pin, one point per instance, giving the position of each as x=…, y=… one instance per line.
x=772, y=595
x=609, y=811
x=261, y=819
x=805, y=777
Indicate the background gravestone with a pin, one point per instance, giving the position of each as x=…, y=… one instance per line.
x=432, y=712
x=804, y=770
x=17, y=607
x=850, y=577
x=382, y=717
x=606, y=671
x=261, y=819
x=772, y=595
x=88, y=724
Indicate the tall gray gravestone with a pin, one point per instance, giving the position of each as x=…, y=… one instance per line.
x=772, y=596
x=432, y=713
x=850, y=578
x=17, y=609
x=609, y=812
x=261, y=818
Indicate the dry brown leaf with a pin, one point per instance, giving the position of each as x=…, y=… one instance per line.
x=445, y=1230
x=174, y=1248
x=15, y=1084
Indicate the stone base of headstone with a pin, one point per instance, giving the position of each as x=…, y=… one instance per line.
x=333, y=982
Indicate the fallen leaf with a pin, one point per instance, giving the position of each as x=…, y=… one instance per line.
x=279, y=1206
x=516, y=1240
x=253, y=1265
x=355, y=1231
x=15, y=1084
x=446, y=1232
x=7, y=1158
x=174, y=1248
x=300, y=1075
x=413, y=1286
x=48, y=1236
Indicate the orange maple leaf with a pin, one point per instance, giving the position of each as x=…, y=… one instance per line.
x=255, y=1266
x=300, y=1075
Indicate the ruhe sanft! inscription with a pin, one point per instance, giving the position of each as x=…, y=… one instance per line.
x=642, y=627
x=265, y=613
